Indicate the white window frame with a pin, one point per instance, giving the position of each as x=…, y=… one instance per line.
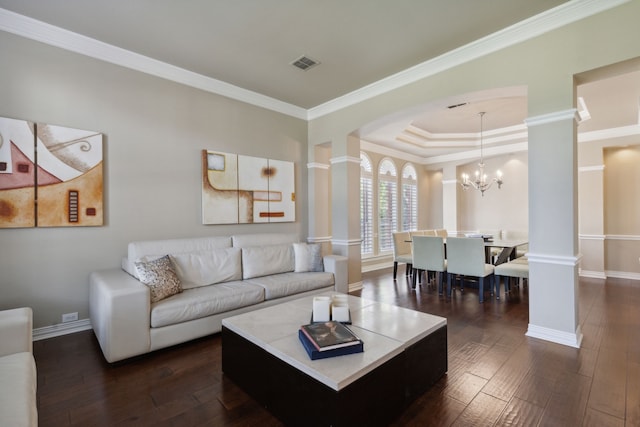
x=387, y=183
x=367, y=225
x=409, y=198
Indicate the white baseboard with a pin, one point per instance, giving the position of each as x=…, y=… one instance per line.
x=623, y=275
x=553, y=335
x=377, y=266
x=355, y=286
x=593, y=274
x=61, y=329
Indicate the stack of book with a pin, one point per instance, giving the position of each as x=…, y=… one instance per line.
x=329, y=339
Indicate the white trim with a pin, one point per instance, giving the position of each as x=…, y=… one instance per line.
x=628, y=237
x=350, y=242
x=597, y=168
x=591, y=236
x=592, y=274
x=366, y=267
x=61, y=329
x=369, y=146
x=319, y=239
x=346, y=159
x=474, y=154
x=542, y=23
x=610, y=133
x=316, y=165
x=356, y=286
x=622, y=275
x=553, y=259
x=558, y=116
x=449, y=181
x=554, y=335
x=55, y=36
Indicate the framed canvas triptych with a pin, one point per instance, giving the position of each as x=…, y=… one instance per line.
x=239, y=189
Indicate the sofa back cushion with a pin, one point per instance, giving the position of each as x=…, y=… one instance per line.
x=264, y=260
x=262, y=239
x=202, y=268
x=152, y=249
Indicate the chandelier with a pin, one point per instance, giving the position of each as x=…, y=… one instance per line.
x=480, y=182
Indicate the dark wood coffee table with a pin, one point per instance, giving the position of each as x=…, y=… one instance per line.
x=405, y=353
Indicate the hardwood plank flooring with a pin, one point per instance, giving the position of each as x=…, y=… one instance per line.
x=497, y=375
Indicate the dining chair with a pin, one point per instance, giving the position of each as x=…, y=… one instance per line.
x=441, y=232
x=517, y=269
x=466, y=257
x=428, y=256
x=402, y=252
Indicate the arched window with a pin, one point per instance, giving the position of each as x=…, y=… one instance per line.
x=366, y=205
x=387, y=206
x=409, y=198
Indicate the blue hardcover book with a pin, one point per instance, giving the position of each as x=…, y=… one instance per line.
x=315, y=354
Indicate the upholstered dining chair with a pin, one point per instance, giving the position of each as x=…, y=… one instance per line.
x=428, y=255
x=441, y=232
x=402, y=252
x=466, y=256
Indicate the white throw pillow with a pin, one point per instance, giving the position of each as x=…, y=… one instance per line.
x=159, y=275
x=202, y=268
x=308, y=257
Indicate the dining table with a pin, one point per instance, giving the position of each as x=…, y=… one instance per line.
x=508, y=247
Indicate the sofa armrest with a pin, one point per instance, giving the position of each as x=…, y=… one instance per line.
x=16, y=331
x=120, y=312
x=338, y=265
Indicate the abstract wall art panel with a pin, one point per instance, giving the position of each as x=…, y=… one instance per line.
x=239, y=189
x=50, y=176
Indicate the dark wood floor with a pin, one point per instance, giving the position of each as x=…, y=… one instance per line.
x=497, y=376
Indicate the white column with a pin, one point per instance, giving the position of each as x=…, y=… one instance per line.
x=553, y=231
x=450, y=199
x=345, y=206
x=591, y=211
x=319, y=204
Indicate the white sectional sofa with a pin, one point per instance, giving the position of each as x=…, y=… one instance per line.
x=218, y=277
x=18, y=377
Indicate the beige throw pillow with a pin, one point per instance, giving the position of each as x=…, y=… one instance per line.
x=160, y=276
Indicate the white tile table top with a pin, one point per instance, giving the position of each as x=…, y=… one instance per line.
x=385, y=329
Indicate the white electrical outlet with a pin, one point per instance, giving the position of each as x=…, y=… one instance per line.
x=69, y=317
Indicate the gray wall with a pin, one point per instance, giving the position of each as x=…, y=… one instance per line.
x=154, y=133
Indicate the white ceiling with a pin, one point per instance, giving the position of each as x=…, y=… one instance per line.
x=248, y=45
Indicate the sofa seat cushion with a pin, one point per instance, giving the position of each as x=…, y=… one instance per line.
x=18, y=390
x=204, y=301
x=284, y=284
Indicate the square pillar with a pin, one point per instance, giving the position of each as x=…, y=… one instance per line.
x=553, y=218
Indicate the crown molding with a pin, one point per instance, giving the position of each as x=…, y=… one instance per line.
x=557, y=17
x=391, y=152
x=55, y=36
x=557, y=116
x=610, y=133
x=475, y=154
x=542, y=23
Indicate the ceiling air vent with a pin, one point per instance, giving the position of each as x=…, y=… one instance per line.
x=457, y=105
x=305, y=63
